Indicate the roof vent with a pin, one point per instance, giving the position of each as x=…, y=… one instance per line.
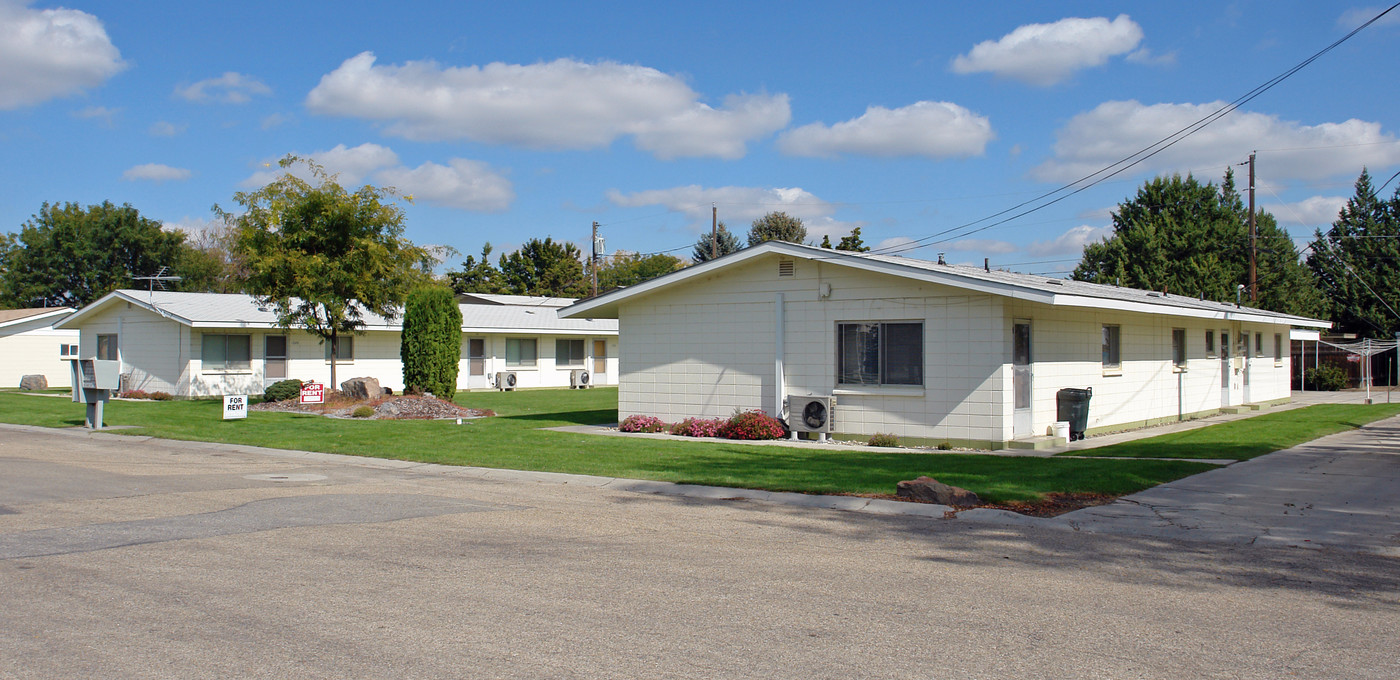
x=941, y=260
x=1153, y=294
x=1055, y=282
x=786, y=268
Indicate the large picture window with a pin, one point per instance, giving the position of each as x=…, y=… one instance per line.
x=568, y=352
x=880, y=353
x=521, y=352
x=225, y=353
x=1112, y=355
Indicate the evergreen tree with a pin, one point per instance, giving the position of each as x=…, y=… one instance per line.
x=852, y=243
x=1357, y=263
x=431, y=343
x=477, y=276
x=548, y=267
x=1189, y=238
x=777, y=226
x=726, y=241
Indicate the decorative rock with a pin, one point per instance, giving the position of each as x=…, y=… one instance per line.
x=362, y=388
x=34, y=382
x=930, y=490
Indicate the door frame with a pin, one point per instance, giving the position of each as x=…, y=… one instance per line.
x=1022, y=380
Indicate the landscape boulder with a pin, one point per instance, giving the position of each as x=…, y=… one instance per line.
x=930, y=490
x=362, y=388
x=34, y=382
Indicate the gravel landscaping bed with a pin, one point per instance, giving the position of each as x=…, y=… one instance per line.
x=401, y=407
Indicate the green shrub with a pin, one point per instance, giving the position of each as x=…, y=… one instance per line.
x=1326, y=378
x=431, y=345
x=160, y=396
x=879, y=439
x=283, y=390
x=363, y=412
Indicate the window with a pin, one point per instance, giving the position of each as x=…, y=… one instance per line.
x=1258, y=344
x=107, y=347
x=1112, y=358
x=67, y=351
x=225, y=353
x=344, y=348
x=1179, y=347
x=1278, y=348
x=1210, y=343
x=520, y=352
x=568, y=352
x=879, y=353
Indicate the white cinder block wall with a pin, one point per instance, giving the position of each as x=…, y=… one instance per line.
x=35, y=348
x=707, y=349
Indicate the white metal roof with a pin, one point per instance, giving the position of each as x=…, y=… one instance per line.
x=523, y=300
x=1030, y=287
x=225, y=310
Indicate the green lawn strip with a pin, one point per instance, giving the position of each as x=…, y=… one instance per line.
x=1250, y=437
x=513, y=440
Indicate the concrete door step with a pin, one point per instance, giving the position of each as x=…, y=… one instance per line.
x=1035, y=443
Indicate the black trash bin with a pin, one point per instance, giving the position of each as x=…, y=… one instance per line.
x=1073, y=407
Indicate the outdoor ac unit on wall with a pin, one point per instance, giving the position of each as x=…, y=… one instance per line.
x=579, y=379
x=505, y=381
x=810, y=414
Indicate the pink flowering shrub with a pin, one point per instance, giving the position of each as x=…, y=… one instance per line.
x=640, y=423
x=753, y=425
x=698, y=427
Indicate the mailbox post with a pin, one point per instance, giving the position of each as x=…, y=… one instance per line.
x=93, y=383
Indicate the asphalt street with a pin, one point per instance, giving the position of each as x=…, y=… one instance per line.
x=130, y=557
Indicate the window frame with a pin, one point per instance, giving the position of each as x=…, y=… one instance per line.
x=569, y=360
x=518, y=362
x=110, y=342
x=1210, y=343
x=884, y=373
x=1112, y=346
x=224, y=365
x=344, y=349
x=1179, y=356
x=1278, y=349
x=1258, y=344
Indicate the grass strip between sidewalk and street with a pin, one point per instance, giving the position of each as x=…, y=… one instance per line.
x=1250, y=437
x=513, y=440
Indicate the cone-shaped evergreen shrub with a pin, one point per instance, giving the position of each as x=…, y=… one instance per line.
x=432, y=341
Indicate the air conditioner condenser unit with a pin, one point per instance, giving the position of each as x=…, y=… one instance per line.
x=810, y=414
x=505, y=381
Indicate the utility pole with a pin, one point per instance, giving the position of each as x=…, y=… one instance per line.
x=594, y=268
x=714, y=231
x=1253, y=237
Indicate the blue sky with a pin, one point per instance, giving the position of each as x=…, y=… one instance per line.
x=507, y=121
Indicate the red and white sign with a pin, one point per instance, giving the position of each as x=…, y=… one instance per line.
x=313, y=393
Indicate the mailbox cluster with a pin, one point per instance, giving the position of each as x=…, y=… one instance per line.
x=94, y=380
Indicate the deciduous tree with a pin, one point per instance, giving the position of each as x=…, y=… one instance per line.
x=777, y=226
x=322, y=257
x=629, y=269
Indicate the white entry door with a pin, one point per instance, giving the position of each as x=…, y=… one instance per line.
x=476, y=364
x=1022, y=415
x=1225, y=370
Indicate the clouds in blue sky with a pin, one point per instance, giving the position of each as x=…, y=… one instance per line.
x=1048, y=54
x=51, y=53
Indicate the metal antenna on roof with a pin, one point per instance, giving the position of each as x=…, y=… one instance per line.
x=160, y=278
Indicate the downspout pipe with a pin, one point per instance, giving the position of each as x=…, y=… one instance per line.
x=778, y=387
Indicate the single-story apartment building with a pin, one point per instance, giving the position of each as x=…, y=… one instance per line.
x=206, y=344
x=30, y=345
x=931, y=351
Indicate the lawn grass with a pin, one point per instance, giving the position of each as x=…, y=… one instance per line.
x=513, y=440
x=1250, y=437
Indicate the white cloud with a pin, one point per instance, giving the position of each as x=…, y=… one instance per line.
x=276, y=120
x=1046, y=54
x=982, y=245
x=1146, y=57
x=563, y=104
x=465, y=184
x=229, y=88
x=1317, y=211
x=740, y=206
x=165, y=129
x=893, y=243
x=51, y=53
x=462, y=183
x=1359, y=15
x=155, y=172
x=930, y=129
x=1071, y=242
x=99, y=113
x=1289, y=150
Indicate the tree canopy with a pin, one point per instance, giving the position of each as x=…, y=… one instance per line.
x=777, y=226
x=321, y=256
x=629, y=269
x=544, y=267
x=71, y=255
x=477, y=276
x=1189, y=238
x=726, y=241
x=850, y=243
x=1357, y=262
